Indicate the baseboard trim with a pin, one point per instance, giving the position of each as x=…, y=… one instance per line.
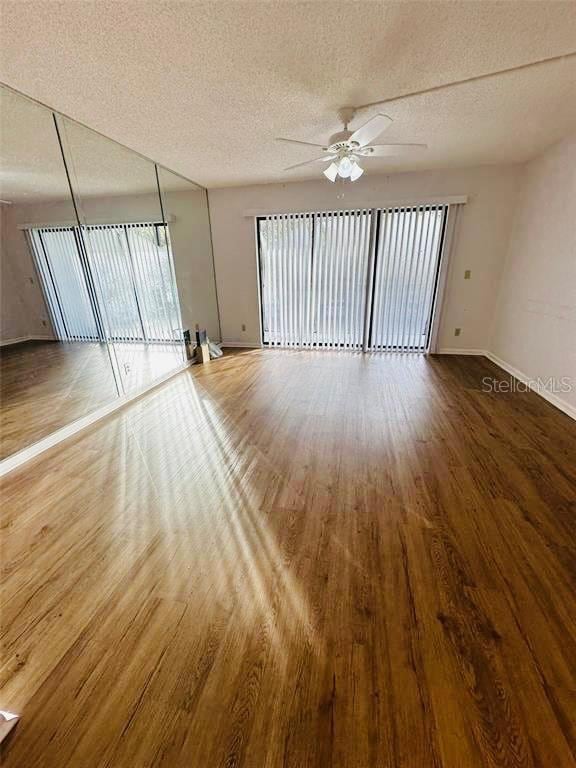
x=551, y=397
x=457, y=351
x=21, y=339
x=244, y=344
x=10, y=463
x=17, y=340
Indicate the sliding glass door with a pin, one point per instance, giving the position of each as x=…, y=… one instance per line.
x=356, y=279
x=339, y=279
x=314, y=269
x=405, y=272
x=286, y=268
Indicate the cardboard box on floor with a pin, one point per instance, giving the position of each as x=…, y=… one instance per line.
x=203, y=353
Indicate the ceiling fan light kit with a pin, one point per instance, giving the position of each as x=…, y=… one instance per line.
x=345, y=168
x=346, y=148
x=331, y=172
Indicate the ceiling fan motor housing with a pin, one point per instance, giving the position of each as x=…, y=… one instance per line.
x=339, y=141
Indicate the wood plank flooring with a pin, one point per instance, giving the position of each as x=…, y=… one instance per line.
x=289, y=559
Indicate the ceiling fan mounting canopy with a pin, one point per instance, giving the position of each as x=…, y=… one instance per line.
x=346, y=115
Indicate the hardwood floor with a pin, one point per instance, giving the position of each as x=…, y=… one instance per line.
x=289, y=559
x=45, y=385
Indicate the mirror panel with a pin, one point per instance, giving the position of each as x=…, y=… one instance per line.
x=129, y=260
x=54, y=367
x=185, y=206
x=106, y=258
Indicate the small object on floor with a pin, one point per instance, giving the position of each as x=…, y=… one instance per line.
x=202, y=349
x=206, y=350
x=188, y=345
x=7, y=721
x=215, y=350
x=203, y=353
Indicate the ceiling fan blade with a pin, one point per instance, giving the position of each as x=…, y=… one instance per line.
x=325, y=159
x=371, y=130
x=387, y=150
x=296, y=141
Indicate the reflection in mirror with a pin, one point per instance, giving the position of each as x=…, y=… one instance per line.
x=128, y=260
x=55, y=367
x=106, y=259
x=185, y=206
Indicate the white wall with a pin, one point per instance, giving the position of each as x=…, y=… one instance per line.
x=193, y=262
x=23, y=312
x=481, y=245
x=535, y=327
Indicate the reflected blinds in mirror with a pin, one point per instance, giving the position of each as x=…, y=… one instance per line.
x=121, y=288
x=64, y=282
x=155, y=282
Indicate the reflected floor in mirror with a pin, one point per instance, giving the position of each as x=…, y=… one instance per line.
x=46, y=385
x=286, y=559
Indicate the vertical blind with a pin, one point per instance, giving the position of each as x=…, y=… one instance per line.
x=339, y=279
x=358, y=279
x=65, y=287
x=109, y=282
x=313, y=278
x=286, y=275
x=406, y=267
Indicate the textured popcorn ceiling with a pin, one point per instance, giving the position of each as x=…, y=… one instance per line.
x=205, y=87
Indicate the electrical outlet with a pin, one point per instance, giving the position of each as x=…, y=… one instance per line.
x=44, y=323
x=457, y=331
x=467, y=274
x=243, y=326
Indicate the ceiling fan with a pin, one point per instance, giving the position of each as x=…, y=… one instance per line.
x=346, y=148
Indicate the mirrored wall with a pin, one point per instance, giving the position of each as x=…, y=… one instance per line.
x=106, y=260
